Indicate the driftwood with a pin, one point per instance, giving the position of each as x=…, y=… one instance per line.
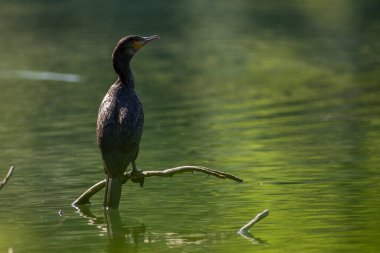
x=7, y=177
x=85, y=197
x=250, y=224
x=244, y=230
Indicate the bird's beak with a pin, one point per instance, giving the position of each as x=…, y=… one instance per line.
x=150, y=38
x=139, y=44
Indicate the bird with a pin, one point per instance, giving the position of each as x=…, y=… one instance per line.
x=120, y=120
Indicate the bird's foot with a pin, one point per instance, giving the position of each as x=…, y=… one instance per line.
x=137, y=176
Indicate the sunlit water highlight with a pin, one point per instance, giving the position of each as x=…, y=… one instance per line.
x=41, y=75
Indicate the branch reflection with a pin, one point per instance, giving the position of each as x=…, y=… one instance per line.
x=122, y=238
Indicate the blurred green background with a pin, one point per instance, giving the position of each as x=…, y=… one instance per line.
x=284, y=94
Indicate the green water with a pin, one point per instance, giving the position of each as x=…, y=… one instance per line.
x=284, y=94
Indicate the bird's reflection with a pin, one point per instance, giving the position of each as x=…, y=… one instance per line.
x=120, y=238
x=123, y=238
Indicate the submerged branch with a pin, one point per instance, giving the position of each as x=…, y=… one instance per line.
x=244, y=230
x=7, y=177
x=85, y=197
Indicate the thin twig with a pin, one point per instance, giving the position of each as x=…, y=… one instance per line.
x=7, y=177
x=85, y=197
x=260, y=216
x=177, y=170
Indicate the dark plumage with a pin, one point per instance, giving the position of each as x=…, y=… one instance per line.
x=120, y=120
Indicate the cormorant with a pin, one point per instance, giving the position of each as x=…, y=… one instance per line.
x=120, y=120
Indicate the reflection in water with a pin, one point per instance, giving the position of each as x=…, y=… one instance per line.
x=123, y=238
x=120, y=238
x=247, y=235
x=85, y=212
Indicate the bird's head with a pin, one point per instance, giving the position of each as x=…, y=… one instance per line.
x=128, y=46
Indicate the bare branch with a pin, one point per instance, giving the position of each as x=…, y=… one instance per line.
x=7, y=177
x=85, y=197
x=178, y=170
x=243, y=230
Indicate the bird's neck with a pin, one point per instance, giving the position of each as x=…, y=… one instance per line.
x=125, y=74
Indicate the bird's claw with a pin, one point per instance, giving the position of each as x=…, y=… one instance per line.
x=142, y=182
x=137, y=177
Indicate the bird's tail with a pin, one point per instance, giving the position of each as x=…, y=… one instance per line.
x=113, y=192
